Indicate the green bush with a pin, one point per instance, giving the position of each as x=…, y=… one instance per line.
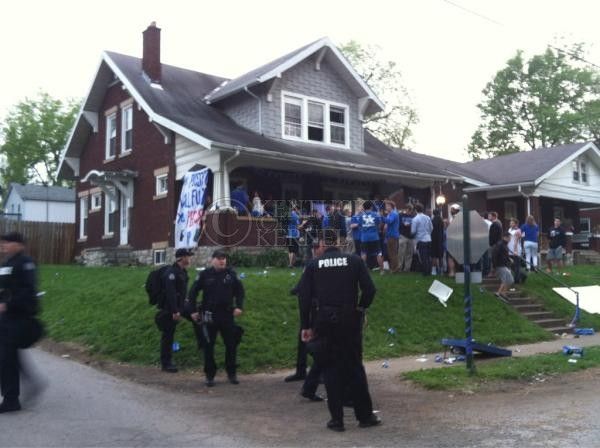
x=239, y=259
x=270, y=257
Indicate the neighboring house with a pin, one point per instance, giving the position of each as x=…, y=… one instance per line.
x=548, y=182
x=40, y=203
x=291, y=129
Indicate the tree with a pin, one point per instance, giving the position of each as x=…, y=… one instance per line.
x=33, y=135
x=548, y=100
x=394, y=125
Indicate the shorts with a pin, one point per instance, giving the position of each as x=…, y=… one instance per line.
x=369, y=248
x=555, y=254
x=505, y=275
x=293, y=246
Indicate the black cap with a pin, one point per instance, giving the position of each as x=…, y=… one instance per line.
x=179, y=253
x=219, y=254
x=13, y=237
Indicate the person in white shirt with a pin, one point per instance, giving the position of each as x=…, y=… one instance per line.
x=514, y=247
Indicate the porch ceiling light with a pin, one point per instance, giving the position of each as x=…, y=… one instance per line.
x=440, y=200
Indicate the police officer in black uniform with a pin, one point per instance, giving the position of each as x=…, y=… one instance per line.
x=18, y=306
x=334, y=279
x=175, y=283
x=222, y=300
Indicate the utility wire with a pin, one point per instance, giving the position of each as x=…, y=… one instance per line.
x=495, y=22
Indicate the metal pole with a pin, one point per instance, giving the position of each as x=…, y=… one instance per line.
x=468, y=297
x=576, y=317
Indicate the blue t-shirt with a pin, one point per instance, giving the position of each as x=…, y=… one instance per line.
x=239, y=200
x=326, y=220
x=393, y=225
x=293, y=224
x=369, y=226
x=530, y=233
x=355, y=231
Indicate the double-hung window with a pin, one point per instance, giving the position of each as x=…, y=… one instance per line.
x=580, y=171
x=83, y=216
x=126, y=129
x=111, y=136
x=162, y=185
x=314, y=120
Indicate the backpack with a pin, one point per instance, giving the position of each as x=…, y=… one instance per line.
x=154, y=285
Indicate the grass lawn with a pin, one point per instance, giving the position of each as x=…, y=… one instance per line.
x=540, y=286
x=523, y=369
x=106, y=309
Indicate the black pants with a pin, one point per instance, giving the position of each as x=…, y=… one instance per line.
x=166, y=344
x=424, y=250
x=311, y=382
x=10, y=366
x=343, y=371
x=223, y=323
x=301, y=356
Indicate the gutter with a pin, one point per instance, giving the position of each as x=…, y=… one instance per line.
x=259, y=108
x=353, y=166
x=519, y=185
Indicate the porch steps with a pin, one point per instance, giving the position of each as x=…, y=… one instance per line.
x=531, y=309
x=589, y=256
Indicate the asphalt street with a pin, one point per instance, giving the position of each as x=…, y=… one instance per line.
x=86, y=407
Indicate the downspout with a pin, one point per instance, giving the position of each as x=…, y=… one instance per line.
x=259, y=108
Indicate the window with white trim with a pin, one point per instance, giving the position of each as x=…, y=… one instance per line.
x=162, y=186
x=160, y=256
x=83, y=216
x=580, y=171
x=127, y=128
x=111, y=136
x=96, y=201
x=314, y=120
x=110, y=215
x=585, y=225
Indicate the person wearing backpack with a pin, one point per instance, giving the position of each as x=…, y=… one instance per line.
x=174, y=285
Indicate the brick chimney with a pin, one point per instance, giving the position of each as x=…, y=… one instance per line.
x=151, y=53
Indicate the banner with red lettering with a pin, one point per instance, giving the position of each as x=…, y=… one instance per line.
x=188, y=223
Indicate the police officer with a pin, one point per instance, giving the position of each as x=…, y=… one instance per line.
x=18, y=306
x=175, y=283
x=334, y=279
x=222, y=300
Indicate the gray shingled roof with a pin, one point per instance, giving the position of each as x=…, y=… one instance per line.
x=525, y=166
x=180, y=100
x=41, y=193
x=250, y=78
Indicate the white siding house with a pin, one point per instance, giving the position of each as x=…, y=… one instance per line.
x=40, y=203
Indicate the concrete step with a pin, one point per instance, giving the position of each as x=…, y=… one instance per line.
x=528, y=308
x=537, y=315
x=550, y=323
x=522, y=301
x=490, y=281
x=514, y=294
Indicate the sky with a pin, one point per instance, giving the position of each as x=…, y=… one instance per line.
x=447, y=50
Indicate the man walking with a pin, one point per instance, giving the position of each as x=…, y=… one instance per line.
x=392, y=233
x=405, y=242
x=18, y=307
x=334, y=279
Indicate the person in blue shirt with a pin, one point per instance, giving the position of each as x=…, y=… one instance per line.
x=392, y=233
x=530, y=231
x=240, y=200
x=369, y=234
x=355, y=226
x=292, y=235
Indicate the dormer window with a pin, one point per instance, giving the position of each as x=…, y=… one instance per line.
x=580, y=171
x=314, y=120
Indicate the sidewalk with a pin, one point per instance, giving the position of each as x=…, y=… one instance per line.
x=396, y=366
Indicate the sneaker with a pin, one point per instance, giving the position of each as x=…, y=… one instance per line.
x=373, y=420
x=10, y=406
x=210, y=382
x=295, y=377
x=170, y=368
x=233, y=378
x=312, y=397
x=336, y=425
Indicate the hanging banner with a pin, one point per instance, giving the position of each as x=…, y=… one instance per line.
x=188, y=223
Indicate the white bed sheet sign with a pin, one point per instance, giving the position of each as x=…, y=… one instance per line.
x=589, y=297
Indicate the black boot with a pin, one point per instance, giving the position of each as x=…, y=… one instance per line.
x=10, y=405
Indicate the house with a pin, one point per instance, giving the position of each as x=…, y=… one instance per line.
x=40, y=203
x=290, y=129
